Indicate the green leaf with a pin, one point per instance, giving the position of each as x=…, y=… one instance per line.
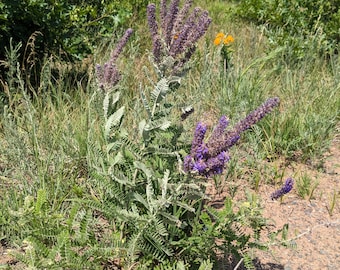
x=142, y=166
x=114, y=120
x=41, y=200
x=206, y=265
x=106, y=102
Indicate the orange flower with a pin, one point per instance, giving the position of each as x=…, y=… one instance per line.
x=220, y=35
x=217, y=41
x=228, y=39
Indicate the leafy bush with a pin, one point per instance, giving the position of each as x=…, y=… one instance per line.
x=152, y=181
x=298, y=23
x=71, y=28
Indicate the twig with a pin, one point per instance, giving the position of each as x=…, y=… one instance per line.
x=239, y=263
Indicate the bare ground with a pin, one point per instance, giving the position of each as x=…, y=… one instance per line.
x=312, y=225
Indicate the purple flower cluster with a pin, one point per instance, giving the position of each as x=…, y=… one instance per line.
x=108, y=74
x=179, y=31
x=229, y=138
x=209, y=158
x=287, y=187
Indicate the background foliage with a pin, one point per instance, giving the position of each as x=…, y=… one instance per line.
x=299, y=24
x=71, y=28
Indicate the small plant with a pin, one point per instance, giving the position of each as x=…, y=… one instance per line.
x=54, y=239
x=226, y=52
x=332, y=202
x=306, y=187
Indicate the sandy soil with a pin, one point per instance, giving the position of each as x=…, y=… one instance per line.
x=315, y=232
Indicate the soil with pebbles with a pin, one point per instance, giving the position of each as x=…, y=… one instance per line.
x=313, y=225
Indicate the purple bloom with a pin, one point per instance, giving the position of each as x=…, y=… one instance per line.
x=229, y=138
x=121, y=44
x=216, y=164
x=178, y=34
x=210, y=158
x=220, y=128
x=200, y=166
x=181, y=17
x=153, y=27
x=177, y=46
x=200, y=28
x=188, y=163
x=163, y=12
x=288, y=186
x=180, y=44
x=257, y=115
x=170, y=19
x=198, y=160
x=196, y=147
x=108, y=75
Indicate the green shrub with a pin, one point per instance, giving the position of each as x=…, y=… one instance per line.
x=298, y=24
x=70, y=27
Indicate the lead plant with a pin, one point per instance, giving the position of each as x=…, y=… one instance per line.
x=157, y=213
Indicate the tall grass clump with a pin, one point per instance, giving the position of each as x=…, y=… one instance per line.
x=115, y=174
x=44, y=138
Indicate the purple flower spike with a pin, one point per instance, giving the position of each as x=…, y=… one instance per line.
x=197, y=142
x=288, y=186
x=209, y=158
x=216, y=164
x=220, y=128
x=181, y=17
x=121, y=44
x=108, y=74
x=170, y=20
x=257, y=115
x=153, y=27
x=188, y=163
x=176, y=35
x=230, y=138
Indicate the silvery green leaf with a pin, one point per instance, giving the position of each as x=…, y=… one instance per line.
x=158, y=94
x=142, y=166
x=114, y=120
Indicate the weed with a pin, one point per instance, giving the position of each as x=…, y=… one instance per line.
x=332, y=202
x=306, y=186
